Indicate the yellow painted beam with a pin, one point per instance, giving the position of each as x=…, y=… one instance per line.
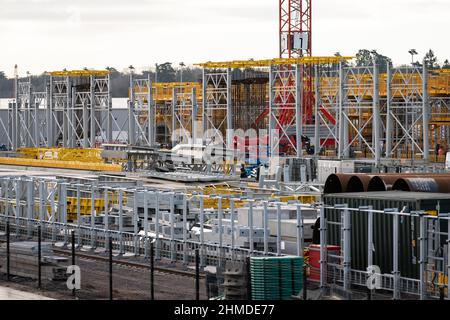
x=61, y=164
x=90, y=155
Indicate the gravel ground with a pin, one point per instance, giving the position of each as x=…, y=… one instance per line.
x=128, y=283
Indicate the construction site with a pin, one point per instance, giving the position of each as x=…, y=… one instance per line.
x=298, y=177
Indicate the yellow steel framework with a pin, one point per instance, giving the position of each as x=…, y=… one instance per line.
x=79, y=73
x=238, y=64
x=85, y=204
x=438, y=84
x=163, y=91
x=225, y=189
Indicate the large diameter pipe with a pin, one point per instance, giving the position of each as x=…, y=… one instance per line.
x=382, y=183
x=359, y=183
x=337, y=183
x=385, y=182
x=431, y=184
x=363, y=182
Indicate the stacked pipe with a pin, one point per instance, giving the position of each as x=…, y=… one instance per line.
x=413, y=182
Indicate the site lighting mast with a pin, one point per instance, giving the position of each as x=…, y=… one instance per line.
x=181, y=71
x=413, y=52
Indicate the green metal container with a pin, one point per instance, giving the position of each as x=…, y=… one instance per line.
x=409, y=228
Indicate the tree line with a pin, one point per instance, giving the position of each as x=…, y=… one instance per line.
x=120, y=81
x=167, y=73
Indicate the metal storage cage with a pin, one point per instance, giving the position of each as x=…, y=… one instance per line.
x=409, y=228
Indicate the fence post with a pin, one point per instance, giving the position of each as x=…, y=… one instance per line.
x=266, y=228
x=422, y=262
x=8, y=261
x=157, y=244
x=347, y=252
x=185, y=227
x=73, y=259
x=94, y=214
x=249, y=279
x=305, y=279
x=197, y=275
x=300, y=232
x=278, y=229
x=63, y=216
x=121, y=244
x=110, y=269
x=323, y=249
x=448, y=257
x=152, y=271
x=39, y=257
x=135, y=224
x=202, y=229
x=395, y=248
x=173, y=252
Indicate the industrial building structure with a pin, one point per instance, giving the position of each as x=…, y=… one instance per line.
x=356, y=181
x=358, y=112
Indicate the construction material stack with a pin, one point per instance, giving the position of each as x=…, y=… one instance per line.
x=276, y=278
x=235, y=281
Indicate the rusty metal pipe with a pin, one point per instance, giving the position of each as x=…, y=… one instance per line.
x=359, y=183
x=435, y=184
x=382, y=183
x=338, y=183
x=385, y=182
x=362, y=182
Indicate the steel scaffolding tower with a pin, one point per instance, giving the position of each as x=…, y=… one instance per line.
x=23, y=134
x=141, y=113
x=184, y=115
x=326, y=110
x=408, y=112
x=285, y=108
x=79, y=111
x=217, y=118
x=359, y=111
x=74, y=111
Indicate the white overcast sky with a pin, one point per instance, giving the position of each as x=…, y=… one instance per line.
x=43, y=35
